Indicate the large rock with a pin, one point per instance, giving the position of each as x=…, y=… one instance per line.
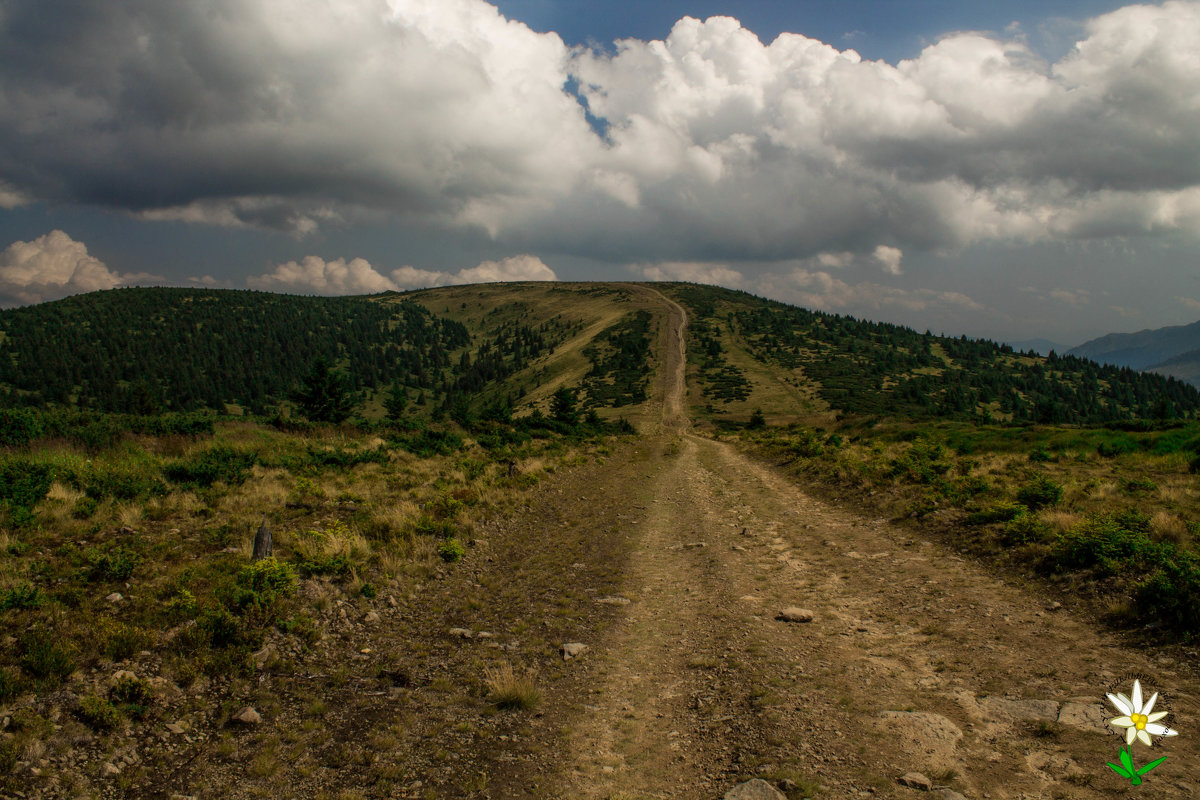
x=1084, y=716
x=248, y=716
x=923, y=735
x=1001, y=709
x=756, y=789
x=915, y=780
x=573, y=650
x=795, y=614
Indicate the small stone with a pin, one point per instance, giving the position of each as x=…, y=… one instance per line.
x=695, y=545
x=110, y=769
x=115, y=597
x=175, y=728
x=486, y=635
x=613, y=601
x=738, y=548
x=248, y=716
x=1055, y=606
x=948, y=794
x=756, y=789
x=121, y=675
x=573, y=650
x=795, y=614
x=462, y=633
x=915, y=780
x=371, y=618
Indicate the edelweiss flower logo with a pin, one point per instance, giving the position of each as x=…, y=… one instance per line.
x=1140, y=722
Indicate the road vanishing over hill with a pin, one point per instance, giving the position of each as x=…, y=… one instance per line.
x=915, y=661
x=669, y=557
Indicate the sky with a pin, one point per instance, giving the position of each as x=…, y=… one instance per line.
x=1011, y=170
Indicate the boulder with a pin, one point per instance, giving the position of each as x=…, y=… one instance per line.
x=915, y=780
x=572, y=650
x=795, y=614
x=756, y=789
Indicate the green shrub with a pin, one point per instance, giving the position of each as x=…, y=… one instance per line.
x=133, y=696
x=115, y=564
x=1110, y=544
x=23, y=483
x=22, y=596
x=124, y=483
x=337, y=564
x=1172, y=593
x=451, y=550
x=18, y=427
x=11, y=684
x=1039, y=456
x=429, y=443
x=1138, y=486
x=924, y=463
x=1039, y=493
x=262, y=584
x=45, y=656
x=97, y=713
x=219, y=463
x=220, y=627
x=1025, y=528
x=85, y=507
x=119, y=641
x=999, y=512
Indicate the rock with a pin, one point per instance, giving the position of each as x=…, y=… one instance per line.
x=915, y=780
x=372, y=617
x=248, y=716
x=695, y=545
x=265, y=656
x=613, y=601
x=486, y=635
x=1005, y=710
x=462, y=633
x=738, y=548
x=756, y=789
x=923, y=735
x=1055, y=606
x=176, y=728
x=115, y=597
x=1084, y=716
x=573, y=650
x=795, y=614
x=110, y=769
x=948, y=794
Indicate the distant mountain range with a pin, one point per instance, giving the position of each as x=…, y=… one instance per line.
x=1174, y=350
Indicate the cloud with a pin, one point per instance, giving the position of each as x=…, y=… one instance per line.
x=692, y=272
x=313, y=274
x=821, y=290
x=50, y=267
x=445, y=115
x=1076, y=297
x=1190, y=303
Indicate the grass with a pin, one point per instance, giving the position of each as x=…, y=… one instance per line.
x=509, y=690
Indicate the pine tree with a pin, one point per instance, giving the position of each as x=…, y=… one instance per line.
x=324, y=397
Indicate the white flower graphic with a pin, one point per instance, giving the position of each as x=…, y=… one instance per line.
x=1137, y=720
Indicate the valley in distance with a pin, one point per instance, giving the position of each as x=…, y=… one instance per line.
x=616, y=541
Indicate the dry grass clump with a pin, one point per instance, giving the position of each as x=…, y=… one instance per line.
x=1166, y=527
x=509, y=690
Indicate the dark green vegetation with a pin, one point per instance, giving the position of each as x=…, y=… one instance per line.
x=620, y=359
x=868, y=368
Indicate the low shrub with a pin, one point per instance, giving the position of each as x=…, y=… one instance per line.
x=132, y=695
x=1138, y=486
x=451, y=550
x=999, y=512
x=112, y=565
x=1039, y=493
x=22, y=596
x=97, y=713
x=510, y=691
x=11, y=684
x=23, y=483
x=1110, y=544
x=45, y=655
x=1025, y=528
x=220, y=463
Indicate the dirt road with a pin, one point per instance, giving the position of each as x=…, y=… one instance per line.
x=914, y=660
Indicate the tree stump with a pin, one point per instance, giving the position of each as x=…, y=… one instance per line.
x=262, y=541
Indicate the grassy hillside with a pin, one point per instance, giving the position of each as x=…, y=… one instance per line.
x=747, y=352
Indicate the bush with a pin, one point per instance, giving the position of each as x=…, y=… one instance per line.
x=451, y=550
x=1039, y=493
x=220, y=627
x=122, y=483
x=509, y=690
x=115, y=564
x=23, y=483
x=924, y=462
x=11, y=684
x=22, y=596
x=1000, y=512
x=429, y=443
x=133, y=696
x=1025, y=528
x=261, y=585
x=98, y=714
x=119, y=641
x=18, y=427
x=219, y=463
x=45, y=656
x=1172, y=593
x=1110, y=544
x=1138, y=486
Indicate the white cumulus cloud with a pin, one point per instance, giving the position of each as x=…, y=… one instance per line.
x=50, y=267
x=313, y=274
